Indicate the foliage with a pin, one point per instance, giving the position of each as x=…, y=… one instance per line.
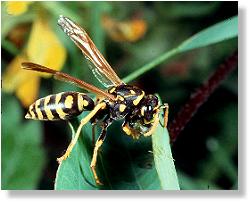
x=163, y=159
x=21, y=149
x=216, y=33
x=75, y=173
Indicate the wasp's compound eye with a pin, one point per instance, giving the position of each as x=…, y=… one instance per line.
x=142, y=110
x=147, y=112
x=149, y=108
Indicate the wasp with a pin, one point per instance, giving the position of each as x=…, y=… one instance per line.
x=119, y=101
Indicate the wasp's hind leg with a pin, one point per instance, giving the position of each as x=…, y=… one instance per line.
x=82, y=123
x=98, y=144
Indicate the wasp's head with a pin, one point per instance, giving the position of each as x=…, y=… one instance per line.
x=149, y=108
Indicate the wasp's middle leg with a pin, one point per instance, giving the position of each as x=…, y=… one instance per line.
x=82, y=123
x=98, y=144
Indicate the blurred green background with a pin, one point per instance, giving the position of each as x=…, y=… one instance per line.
x=205, y=153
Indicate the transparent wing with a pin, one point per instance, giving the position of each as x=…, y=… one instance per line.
x=95, y=71
x=67, y=78
x=101, y=69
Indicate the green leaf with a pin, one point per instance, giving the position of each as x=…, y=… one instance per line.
x=123, y=163
x=189, y=9
x=222, y=147
x=221, y=31
x=74, y=173
x=59, y=8
x=10, y=47
x=163, y=159
x=224, y=30
x=10, y=21
x=22, y=150
x=192, y=183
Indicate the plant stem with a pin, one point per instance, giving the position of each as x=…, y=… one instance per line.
x=151, y=65
x=201, y=95
x=10, y=47
x=226, y=29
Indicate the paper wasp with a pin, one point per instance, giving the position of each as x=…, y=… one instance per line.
x=139, y=111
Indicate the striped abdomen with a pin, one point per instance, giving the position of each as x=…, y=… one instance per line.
x=61, y=106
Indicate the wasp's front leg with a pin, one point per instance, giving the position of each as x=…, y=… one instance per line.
x=166, y=112
x=154, y=124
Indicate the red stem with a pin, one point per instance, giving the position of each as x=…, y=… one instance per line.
x=201, y=95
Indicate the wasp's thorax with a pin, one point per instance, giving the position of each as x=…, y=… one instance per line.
x=133, y=101
x=138, y=109
x=127, y=99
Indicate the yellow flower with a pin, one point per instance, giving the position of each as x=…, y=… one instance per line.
x=129, y=31
x=43, y=48
x=24, y=83
x=17, y=7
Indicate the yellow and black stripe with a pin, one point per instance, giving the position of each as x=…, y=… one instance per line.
x=61, y=106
